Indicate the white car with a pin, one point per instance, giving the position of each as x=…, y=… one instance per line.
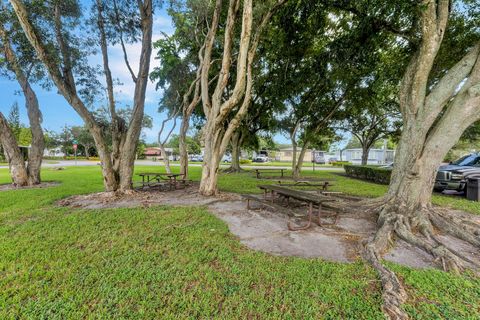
x=196, y=158
x=260, y=159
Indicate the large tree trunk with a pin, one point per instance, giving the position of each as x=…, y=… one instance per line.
x=211, y=161
x=35, y=156
x=13, y=154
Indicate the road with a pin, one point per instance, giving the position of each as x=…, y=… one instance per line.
x=84, y=163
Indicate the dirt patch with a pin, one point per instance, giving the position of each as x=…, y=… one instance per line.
x=266, y=230
x=107, y=200
x=8, y=187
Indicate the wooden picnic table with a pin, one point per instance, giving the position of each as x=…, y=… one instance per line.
x=259, y=171
x=170, y=178
x=310, y=199
x=324, y=183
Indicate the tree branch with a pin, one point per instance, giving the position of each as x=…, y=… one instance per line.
x=122, y=43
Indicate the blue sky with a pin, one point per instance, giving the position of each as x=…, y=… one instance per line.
x=58, y=113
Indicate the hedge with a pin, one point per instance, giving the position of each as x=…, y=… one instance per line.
x=245, y=161
x=375, y=174
x=340, y=163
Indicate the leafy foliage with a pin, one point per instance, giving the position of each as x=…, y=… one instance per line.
x=375, y=174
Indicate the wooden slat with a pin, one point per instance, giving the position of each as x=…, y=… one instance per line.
x=296, y=194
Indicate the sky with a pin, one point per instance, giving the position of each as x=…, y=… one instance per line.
x=57, y=112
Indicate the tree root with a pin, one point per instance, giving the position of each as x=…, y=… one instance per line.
x=417, y=229
x=394, y=295
x=465, y=230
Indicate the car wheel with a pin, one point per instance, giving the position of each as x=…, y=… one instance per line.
x=438, y=189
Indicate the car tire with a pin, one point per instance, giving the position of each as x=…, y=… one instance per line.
x=440, y=190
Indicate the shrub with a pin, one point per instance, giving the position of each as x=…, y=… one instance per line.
x=340, y=163
x=245, y=161
x=375, y=174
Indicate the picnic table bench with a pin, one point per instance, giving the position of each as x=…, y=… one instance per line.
x=310, y=199
x=169, y=179
x=258, y=172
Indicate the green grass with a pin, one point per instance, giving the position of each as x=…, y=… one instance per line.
x=169, y=263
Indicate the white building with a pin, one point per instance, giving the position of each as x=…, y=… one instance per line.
x=54, y=152
x=375, y=156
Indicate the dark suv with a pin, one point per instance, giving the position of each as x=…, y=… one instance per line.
x=454, y=175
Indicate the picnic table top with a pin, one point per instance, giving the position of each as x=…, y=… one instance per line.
x=297, y=194
x=159, y=174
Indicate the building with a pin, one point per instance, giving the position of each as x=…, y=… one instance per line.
x=154, y=153
x=286, y=154
x=54, y=152
x=375, y=156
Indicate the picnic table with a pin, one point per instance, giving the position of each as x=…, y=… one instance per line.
x=310, y=199
x=258, y=172
x=170, y=179
x=324, y=183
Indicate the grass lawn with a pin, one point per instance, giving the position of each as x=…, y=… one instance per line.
x=174, y=262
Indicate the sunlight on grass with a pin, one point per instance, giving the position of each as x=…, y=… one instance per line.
x=169, y=263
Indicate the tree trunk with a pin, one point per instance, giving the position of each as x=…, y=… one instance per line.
x=166, y=160
x=33, y=110
x=13, y=154
x=298, y=167
x=294, y=155
x=365, y=151
x=35, y=156
x=236, y=143
x=413, y=175
x=182, y=145
x=210, y=166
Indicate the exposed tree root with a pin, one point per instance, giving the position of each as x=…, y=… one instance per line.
x=394, y=295
x=417, y=229
x=462, y=229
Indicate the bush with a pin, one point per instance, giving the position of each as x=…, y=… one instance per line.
x=340, y=163
x=245, y=161
x=375, y=174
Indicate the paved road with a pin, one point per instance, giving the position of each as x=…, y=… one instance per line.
x=83, y=163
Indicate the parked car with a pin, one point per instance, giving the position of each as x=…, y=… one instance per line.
x=227, y=158
x=454, y=175
x=196, y=158
x=388, y=166
x=260, y=159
